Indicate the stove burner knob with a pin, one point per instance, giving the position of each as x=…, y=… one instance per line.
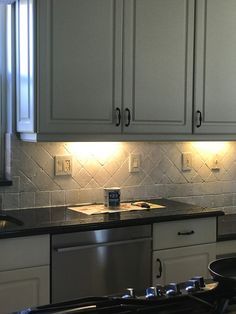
x=151, y=292
x=173, y=289
x=160, y=290
x=200, y=280
x=129, y=293
x=192, y=286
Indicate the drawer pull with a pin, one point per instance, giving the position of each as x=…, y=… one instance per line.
x=186, y=233
x=160, y=268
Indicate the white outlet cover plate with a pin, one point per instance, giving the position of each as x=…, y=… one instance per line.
x=61, y=165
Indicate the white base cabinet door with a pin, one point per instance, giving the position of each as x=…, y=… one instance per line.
x=181, y=264
x=23, y=288
x=24, y=272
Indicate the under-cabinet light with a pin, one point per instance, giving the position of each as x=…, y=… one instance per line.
x=211, y=147
x=101, y=151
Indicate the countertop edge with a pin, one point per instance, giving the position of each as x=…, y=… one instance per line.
x=68, y=228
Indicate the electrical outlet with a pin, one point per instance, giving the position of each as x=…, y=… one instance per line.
x=134, y=162
x=186, y=161
x=63, y=165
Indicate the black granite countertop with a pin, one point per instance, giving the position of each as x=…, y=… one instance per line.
x=61, y=219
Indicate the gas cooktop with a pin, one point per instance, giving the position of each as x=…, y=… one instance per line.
x=192, y=296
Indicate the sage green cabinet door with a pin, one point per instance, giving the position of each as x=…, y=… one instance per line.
x=79, y=65
x=158, y=65
x=215, y=81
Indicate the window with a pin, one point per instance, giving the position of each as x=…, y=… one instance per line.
x=5, y=85
x=2, y=85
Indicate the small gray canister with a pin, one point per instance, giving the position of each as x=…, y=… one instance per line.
x=112, y=197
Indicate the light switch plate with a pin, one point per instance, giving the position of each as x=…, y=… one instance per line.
x=215, y=163
x=186, y=161
x=134, y=162
x=63, y=165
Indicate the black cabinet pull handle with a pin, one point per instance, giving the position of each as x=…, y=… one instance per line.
x=118, y=116
x=128, y=117
x=199, y=119
x=160, y=268
x=186, y=233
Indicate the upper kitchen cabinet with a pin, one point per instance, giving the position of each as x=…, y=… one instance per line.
x=158, y=66
x=104, y=68
x=126, y=69
x=215, y=67
x=69, y=67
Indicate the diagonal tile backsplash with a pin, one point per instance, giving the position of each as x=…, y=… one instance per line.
x=161, y=175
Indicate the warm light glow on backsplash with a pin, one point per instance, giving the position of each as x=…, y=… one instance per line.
x=211, y=147
x=101, y=151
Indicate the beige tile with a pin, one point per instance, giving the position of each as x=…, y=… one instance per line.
x=42, y=199
x=160, y=175
x=11, y=201
x=72, y=197
x=58, y=198
x=102, y=176
x=27, y=199
x=83, y=177
x=122, y=174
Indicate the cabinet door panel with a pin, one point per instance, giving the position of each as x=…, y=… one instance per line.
x=158, y=61
x=79, y=65
x=23, y=288
x=181, y=264
x=216, y=66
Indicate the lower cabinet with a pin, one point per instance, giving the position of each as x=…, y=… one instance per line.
x=181, y=264
x=24, y=272
x=22, y=288
x=183, y=249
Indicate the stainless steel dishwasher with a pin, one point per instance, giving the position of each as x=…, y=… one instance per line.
x=100, y=262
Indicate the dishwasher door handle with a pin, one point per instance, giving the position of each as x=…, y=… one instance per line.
x=91, y=246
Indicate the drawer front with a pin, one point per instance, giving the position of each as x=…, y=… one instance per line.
x=184, y=232
x=24, y=252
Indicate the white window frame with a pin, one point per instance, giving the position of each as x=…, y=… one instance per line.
x=3, y=11
x=6, y=87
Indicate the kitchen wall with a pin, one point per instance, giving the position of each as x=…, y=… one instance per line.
x=101, y=165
